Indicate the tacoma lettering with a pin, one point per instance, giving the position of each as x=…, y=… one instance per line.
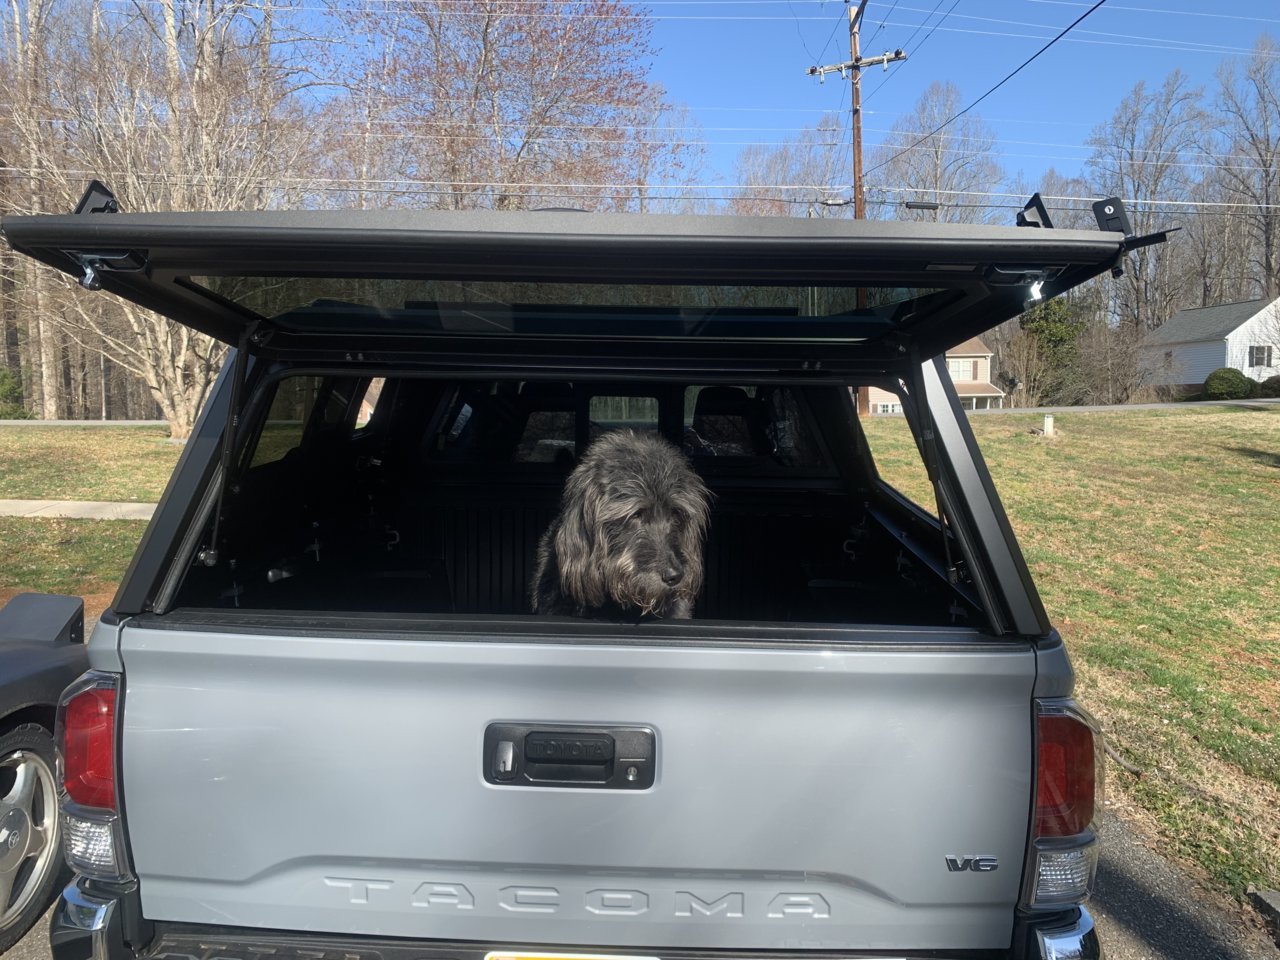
x=687, y=904
x=442, y=896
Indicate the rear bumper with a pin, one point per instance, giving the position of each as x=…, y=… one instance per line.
x=89, y=923
x=1077, y=940
x=86, y=926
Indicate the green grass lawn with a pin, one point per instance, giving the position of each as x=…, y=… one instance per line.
x=85, y=557
x=1154, y=537
x=85, y=463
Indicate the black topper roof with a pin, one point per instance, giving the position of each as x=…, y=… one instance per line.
x=951, y=281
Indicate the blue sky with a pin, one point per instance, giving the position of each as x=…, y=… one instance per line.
x=739, y=65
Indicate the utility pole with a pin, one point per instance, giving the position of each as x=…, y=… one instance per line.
x=852, y=69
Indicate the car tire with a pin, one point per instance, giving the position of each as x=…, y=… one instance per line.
x=32, y=868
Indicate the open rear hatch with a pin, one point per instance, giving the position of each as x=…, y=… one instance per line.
x=618, y=291
x=710, y=785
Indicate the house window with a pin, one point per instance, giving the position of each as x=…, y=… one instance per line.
x=962, y=370
x=1260, y=356
x=889, y=408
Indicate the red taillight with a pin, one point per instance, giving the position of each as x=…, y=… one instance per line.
x=88, y=748
x=1064, y=778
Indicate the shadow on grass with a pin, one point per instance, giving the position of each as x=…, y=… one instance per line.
x=1265, y=457
x=1246, y=406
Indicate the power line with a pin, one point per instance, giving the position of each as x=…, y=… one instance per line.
x=831, y=36
x=799, y=32
x=1204, y=164
x=578, y=15
x=741, y=3
x=591, y=192
x=1103, y=33
x=1129, y=201
x=941, y=20
x=356, y=182
x=916, y=49
x=1124, y=40
x=414, y=122
x=936, y=7
x=353, y=184
x=879, y=28
x=1006, y=79
x=736, y=108
x=1159, y=10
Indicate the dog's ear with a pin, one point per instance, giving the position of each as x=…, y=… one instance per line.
x=578, y=543
x=695, y=501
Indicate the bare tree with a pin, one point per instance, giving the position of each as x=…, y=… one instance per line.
x=1022, y=360
x=1140, y=155
x=666, y=162
x=520, y=103
x=1072, y=214
x=26, y=60
x=1216, y=244
x=205, y=105
x=953, y=169
x=1109, y=363
x=1248, y=123
x=187, y=104
x=794, y=178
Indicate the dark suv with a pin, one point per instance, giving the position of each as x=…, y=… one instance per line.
x=862, y=745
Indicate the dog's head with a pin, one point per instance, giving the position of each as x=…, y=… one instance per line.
x=631, y=526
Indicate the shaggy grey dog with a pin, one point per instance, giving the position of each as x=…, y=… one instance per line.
x=628, y=539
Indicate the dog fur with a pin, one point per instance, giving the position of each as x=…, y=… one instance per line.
x=628, y=539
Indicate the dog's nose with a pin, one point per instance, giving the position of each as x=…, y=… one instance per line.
x=671, y=576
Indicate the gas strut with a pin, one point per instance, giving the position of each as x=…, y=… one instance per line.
x=209, y=555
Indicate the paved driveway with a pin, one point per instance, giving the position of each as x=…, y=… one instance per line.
x=1147, y=909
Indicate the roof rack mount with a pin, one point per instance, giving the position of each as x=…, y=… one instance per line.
x=97, y=198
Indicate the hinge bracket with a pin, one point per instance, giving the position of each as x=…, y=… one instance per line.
x=93, y=263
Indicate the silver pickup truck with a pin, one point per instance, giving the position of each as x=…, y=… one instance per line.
x=323, y=721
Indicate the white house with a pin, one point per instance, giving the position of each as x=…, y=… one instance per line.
x=1194, y=343
x=969, y=364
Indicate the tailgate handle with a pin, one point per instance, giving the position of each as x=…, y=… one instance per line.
x=572, y=755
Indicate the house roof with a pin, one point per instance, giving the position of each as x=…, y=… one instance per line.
x=977, y=388
x=1205, y=323
x=973, y=347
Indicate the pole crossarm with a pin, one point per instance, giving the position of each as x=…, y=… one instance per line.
x=849, y=66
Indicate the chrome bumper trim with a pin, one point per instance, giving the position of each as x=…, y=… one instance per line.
x=1079, y=941
x=79, y=916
